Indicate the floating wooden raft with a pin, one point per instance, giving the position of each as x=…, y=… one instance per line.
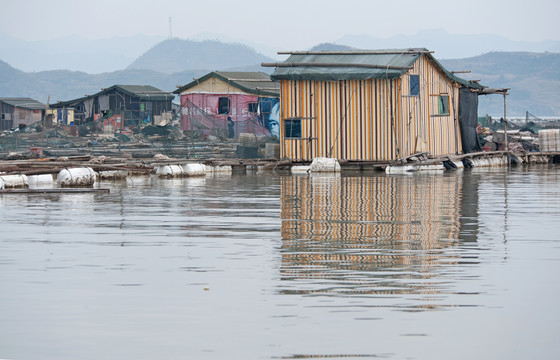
x=53, y=191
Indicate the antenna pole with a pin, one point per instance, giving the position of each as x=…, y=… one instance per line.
x=170, y=33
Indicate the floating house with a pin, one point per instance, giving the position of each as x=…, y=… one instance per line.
x=138, y=104
x=16, y=112
x=226, y=104
x=373, y=106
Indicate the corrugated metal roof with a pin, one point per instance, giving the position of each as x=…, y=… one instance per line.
x=354, y=65
x=346, y=65
x=257, y=83
x=25, y=103
x=143, y=92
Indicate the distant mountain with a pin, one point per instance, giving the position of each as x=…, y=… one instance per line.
x=176, y=55
x=330, y=47
x=533, y=80
x=75, y=53
x=267, y=49
x=62, y=85
x=448, y=46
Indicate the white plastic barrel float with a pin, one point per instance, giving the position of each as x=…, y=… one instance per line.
x=194, y=170
x=188, y=170
x=41, y=181
x=13, y=181
x=169, y=171
x=82, y=176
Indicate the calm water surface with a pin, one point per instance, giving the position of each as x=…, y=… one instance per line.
x=430, y=266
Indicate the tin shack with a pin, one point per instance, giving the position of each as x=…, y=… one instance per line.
x=373, y=105
x=18, y=112
x=230, y=103
x=138, y=104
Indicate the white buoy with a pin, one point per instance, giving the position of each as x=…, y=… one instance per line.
x=169, y=171
x=41, y=180
x=13, y=181
x=83, y=176
x=194, y=170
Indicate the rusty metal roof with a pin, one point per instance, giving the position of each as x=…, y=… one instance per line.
x=258, y=83
x=25, y=103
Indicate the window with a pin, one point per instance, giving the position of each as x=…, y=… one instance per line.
x=253, y=107
x=414, y=85
x=443, y=105
x=292, y=128
x=223, y=105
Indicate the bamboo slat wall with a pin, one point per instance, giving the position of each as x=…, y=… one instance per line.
x=373, y=120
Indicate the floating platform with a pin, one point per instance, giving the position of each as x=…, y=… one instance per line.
x=54, y=191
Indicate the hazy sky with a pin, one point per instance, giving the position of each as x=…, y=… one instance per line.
x=286, y=24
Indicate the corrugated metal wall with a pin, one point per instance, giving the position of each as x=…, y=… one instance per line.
x=373, y=120
x=420, y=113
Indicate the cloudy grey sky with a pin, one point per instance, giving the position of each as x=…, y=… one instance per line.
x=283, y=24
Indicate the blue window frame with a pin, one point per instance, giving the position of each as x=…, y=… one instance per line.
x=414, y=85
x=292, y=128
x=443, y=105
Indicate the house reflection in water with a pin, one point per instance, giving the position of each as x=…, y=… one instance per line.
x=379, y=235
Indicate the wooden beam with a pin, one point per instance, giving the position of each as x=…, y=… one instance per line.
x=369, y=66
x=356, y=52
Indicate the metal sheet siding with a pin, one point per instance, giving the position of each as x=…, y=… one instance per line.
x=420, y=113
x=345, y=119
x=370, y=120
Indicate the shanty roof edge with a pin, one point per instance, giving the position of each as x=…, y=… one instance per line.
x=144, y=92
x=25, y=103
x=468, y=83
x=237, y=79
x=355, y=65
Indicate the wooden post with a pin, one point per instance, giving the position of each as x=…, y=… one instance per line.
x=505, y=130
x=45, y=121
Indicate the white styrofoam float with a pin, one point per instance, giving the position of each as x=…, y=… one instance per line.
x=300, y=169
x=324, y=164
x=403, y=169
